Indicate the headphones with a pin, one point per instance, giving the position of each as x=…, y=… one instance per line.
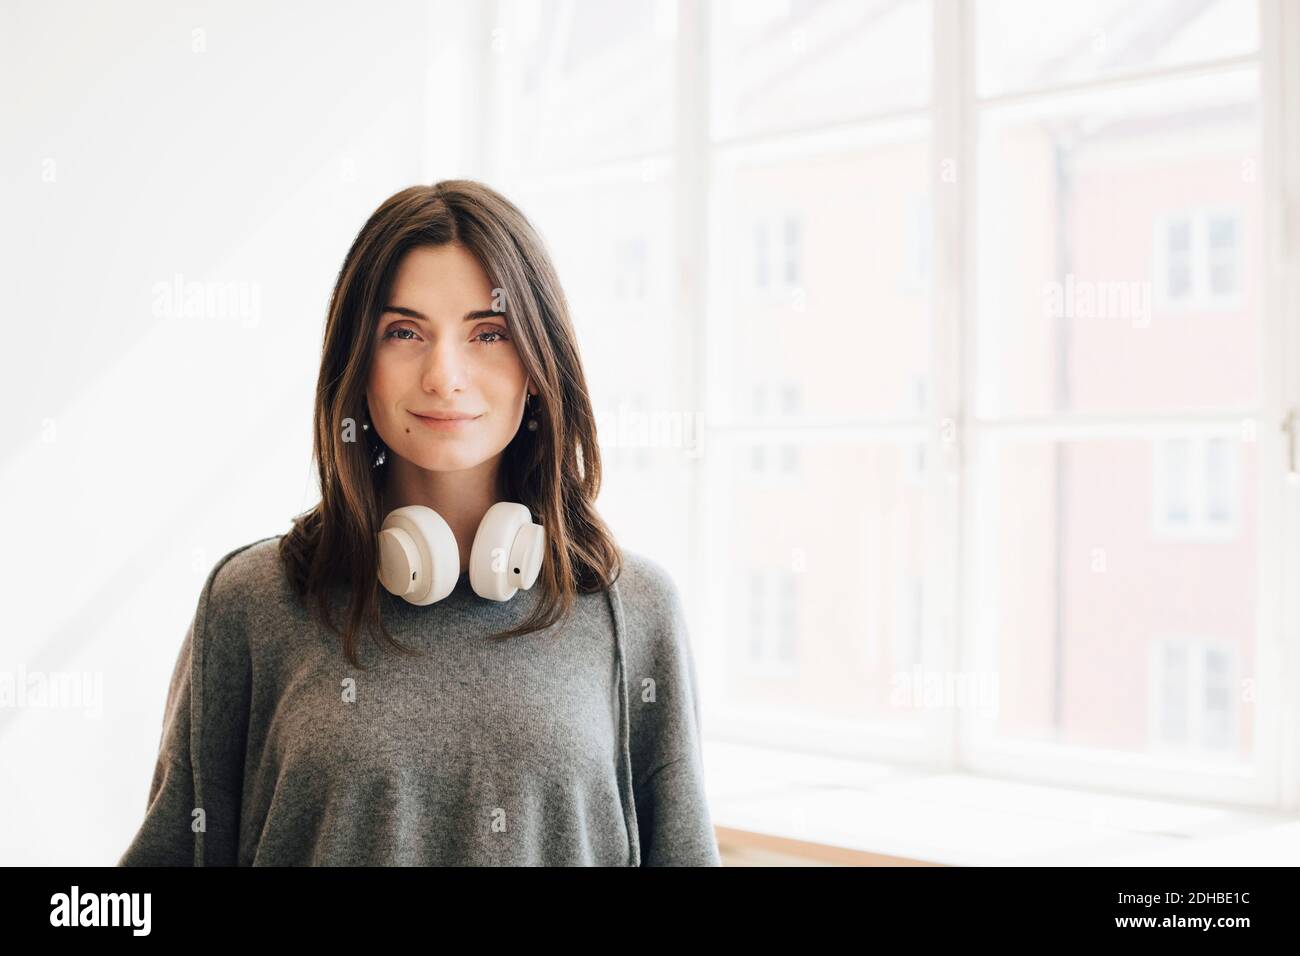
x=419, y=560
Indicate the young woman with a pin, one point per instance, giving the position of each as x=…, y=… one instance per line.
x=557, y=726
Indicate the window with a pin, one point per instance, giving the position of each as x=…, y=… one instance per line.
x=915, y=276
x=774, y=463
x=762, y=256
x=793, y=250
x=777, y=462
x=792, y=398
x=1178, y=262
x=630, y=279
x=850, y=228
x=772, y=645
x=1200, y=260
x=1110, y=346
x=777, y=254
x=1223, y=255
x=906, y=645
x=1192, y=695
x=765, y=396
x=1196, y=489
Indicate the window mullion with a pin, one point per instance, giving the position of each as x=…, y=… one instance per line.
x=951, y=158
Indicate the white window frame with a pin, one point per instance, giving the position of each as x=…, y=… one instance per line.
x=1273, y=777
x=955, y=637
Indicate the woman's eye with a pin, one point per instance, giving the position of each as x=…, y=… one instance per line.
x=494, y=335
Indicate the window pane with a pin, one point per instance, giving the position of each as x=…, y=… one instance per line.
x=1177, y=503
x=586, y=80
x=611, y=242
x=837, y=552
x=1173, y=694
x=1223, y=243
x=1218, y=486
x=796, y=63
x=1178, y=263
x=1094, y=287
x=1086, y=604
x=837, y=314
x=1217, y=702
x=1028, y=44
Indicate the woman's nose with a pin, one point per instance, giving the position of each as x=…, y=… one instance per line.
x=444, y=368
x=445, y=371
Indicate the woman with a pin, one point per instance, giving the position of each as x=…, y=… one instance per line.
x=560, y=726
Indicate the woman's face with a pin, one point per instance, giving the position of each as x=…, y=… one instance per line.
x=441, y=351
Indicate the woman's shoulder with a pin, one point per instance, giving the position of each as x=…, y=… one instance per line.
x=648, y=590
x=248, y=575
x=643, y=575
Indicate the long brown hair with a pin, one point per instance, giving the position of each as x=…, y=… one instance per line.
x=554, y=471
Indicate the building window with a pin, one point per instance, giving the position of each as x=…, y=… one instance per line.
x=764, y=397
x=1222, y=239
x=906, y=637
x=630, y=269
x=1176, y=481
x=778, y=253
x=1178, y=258
x=779, y=460
x=790, y=459
x=1192, y=703
x=1199, y=259
x=793, y=250
x=919, y=238
x=772, y=648
x=772, y=463
x=792, y=398
x=1196, y=493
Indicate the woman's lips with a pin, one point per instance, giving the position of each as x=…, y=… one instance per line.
x=445, y=424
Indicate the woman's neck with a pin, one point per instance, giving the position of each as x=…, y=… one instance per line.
x=460, y=497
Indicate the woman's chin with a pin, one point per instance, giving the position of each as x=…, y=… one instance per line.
x=444, y=459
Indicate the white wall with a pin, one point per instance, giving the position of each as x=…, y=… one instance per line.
x=142, y=447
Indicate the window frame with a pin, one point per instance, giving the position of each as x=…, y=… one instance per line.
x=953, y=435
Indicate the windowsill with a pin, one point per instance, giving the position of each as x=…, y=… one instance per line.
x=843, y=811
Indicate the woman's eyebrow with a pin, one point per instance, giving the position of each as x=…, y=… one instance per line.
x=412, y=314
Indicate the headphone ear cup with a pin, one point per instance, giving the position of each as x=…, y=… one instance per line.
x=418, y=557
x=507, y=552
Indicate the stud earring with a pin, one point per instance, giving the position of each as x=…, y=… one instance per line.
x=377, y=447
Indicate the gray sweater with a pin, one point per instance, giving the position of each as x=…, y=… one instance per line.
x=578, y=744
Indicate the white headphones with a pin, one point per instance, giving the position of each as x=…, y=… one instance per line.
x=419, y=560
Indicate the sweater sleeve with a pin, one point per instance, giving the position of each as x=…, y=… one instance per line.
x=200, y=761
x=675, y=827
